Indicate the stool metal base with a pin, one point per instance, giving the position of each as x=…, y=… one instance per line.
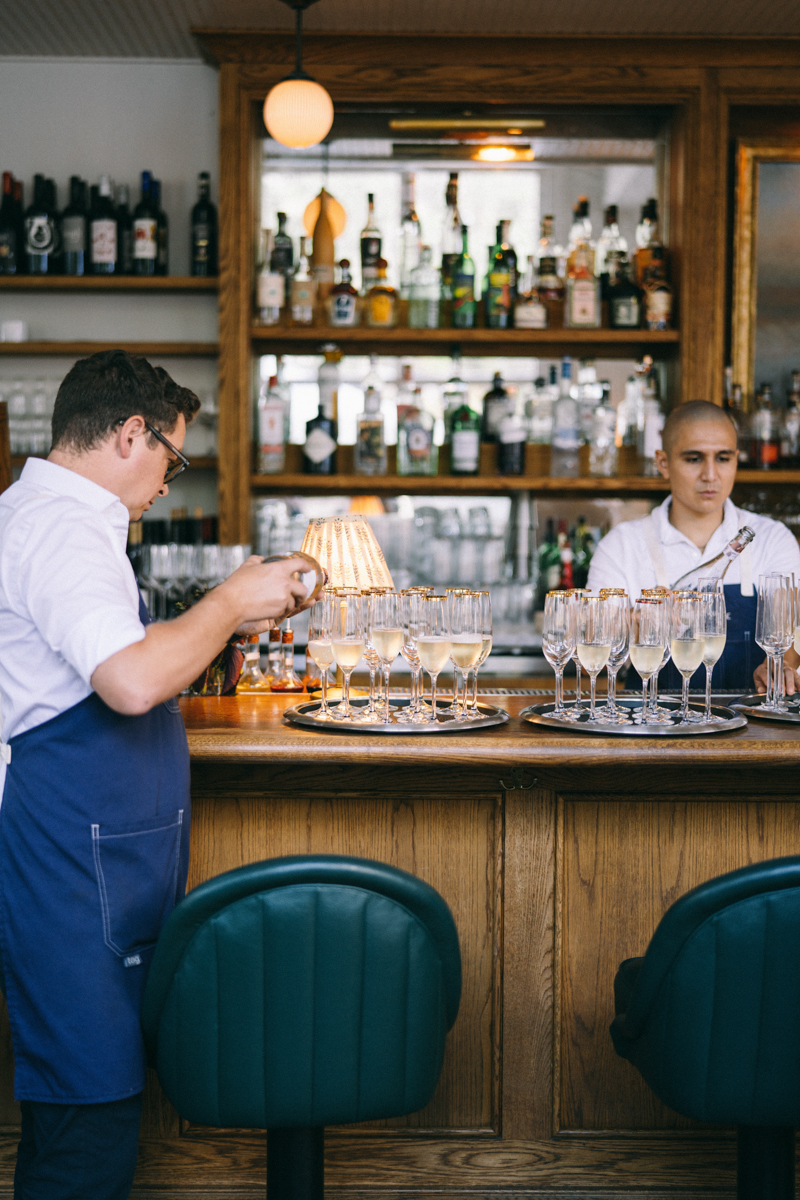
x=296, y=1163
x=765, y=1163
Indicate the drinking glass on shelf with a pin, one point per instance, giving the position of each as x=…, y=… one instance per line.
x=715, y=632
x=775, y=624
x=593, y=644
x=466, y=643
x=576, y=712
x=559, y=640
x=348, y=638
x=385, y=632
x=687, y=641
x=319, y=646
x=485, y=618
x=649, y=635
x=620, y=628
x=433, y=641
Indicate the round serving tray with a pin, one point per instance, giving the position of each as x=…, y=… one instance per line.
x=305, y=715
x=541, y=714
x=753, y=706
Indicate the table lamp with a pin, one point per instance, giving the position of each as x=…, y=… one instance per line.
x=348, y=550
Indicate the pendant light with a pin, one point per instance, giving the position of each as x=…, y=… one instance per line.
x=298, y=112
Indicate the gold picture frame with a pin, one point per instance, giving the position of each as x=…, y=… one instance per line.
x=749, y=156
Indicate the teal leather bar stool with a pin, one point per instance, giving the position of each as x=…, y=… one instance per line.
x=710, y=1016
x=298, y=993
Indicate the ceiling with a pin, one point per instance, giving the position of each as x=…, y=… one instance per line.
x=162, y=28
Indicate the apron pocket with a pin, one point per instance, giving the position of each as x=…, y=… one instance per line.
x=137, y=878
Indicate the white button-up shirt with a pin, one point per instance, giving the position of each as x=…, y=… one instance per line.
x=68, y=594
x=623, y=558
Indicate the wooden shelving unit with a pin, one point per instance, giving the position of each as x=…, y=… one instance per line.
x=107, y=283
x=79, y=349
x=454, y=485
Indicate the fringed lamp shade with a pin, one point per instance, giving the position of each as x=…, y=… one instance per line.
x=348, y=550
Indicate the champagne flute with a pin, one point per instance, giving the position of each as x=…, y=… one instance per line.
x=466, y=642
x=593, y=644
x=559, y=640
x=687, y=641
x=319, y=646
x=775, y=630
x=450, y=592
x=576, y=712
x=372, y=659
x=485, y=604
x=620, y=622
x=411, y=610
x=715, y=631
x=386, y=635
x=348, y=639
x=433, y=641
x=649, y=635
x=659, y=716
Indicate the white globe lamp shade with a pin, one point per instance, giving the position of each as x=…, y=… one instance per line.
x=298, y=113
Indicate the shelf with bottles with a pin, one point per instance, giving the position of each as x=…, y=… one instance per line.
x=31, y=349
x=108, y=283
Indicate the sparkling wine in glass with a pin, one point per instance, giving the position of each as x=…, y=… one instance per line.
x=687, y=641
x=320, y=646
x=649, y=634
x=386, y=635
x=348, y=639
x=466, y=642
x=593, y=643
x=715, y=633
x=433, y=642
x=485, y=603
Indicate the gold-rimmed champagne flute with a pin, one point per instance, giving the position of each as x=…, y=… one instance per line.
x=715, y=633
x=385, y=632
x=449, y=593
x=576, y=712
x=319, y=646
x=433, y=641
x=466, y=641
x=559, y=640
x=411, y=608
x=593, y=644
x=687, y=641
x=348, y=639
x=485, y=608
x=370, y=711
x=649, y=634
x=659, y=716
x=620, y=623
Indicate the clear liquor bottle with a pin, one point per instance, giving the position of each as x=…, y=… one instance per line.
x=547, y=246
x=610, y=239
x=765, y=432
x=580, y=236
x=566, y=426
x=370, y=248
x=425, y=290
x=416, y=452
x=273, y=429
x=455, y=393
x=602, y=444
x=270, y=285
x=303, y=288
x=342, y=302
x=410, y=238
x=451, y=236
x=790, y=434
x=370, y=449
x=529, y=311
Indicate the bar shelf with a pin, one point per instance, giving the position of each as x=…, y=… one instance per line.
x=108, y=283
x=79, y=349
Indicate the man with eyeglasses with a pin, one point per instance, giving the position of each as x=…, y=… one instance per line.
x=94, y=766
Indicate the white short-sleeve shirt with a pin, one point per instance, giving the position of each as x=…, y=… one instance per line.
x=623, y=557
x=68, y=594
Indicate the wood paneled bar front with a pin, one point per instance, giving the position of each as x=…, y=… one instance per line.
x=557, y=855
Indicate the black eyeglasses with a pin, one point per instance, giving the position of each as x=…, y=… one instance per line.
x=174, y=469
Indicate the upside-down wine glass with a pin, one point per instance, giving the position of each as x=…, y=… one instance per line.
x=319, y=646
x=593, y=642
x=386, y=635
x=687, y=641
x=620, y=629
x=348, y=638
x=649, y=634
x=433, y=641
x=485, y=605
x=559, y=640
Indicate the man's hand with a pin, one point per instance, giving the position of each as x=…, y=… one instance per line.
x=265, y=592
x=789, y=678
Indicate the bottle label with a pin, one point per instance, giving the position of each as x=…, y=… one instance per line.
x=531, y=314
x=418, y=441
x=271, y=426
x=625, y=313
x=271, y=290
x=370, y=451
x=303, y=293
x=104, y=241
x=73, y=233
x=370, y=251
x=659, y=307
x=319, y=445
x=145, y=238
x=200, y=239
x=583, y=303
x=463, y=287
x=8, y=252
x=449, y=262
x=767, y=453
x=465, y=449
x=343, y=308
x=39, y=234
x=381, y=309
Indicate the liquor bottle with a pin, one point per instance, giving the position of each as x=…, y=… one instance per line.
x=145, y=232
x=456, y=392
x=583, y=290
x=451, y=236
x=103, y=231
x=566, y=579
x=496, y=404
x=406, y=392
x=582, y=552
x=319, y=451
x=287, y=680
x=162, y=229
x=657, y=292
x=610, y=239
x=203, y=249
x=765, y=432
x=602, y=445
x=547, y=246
x=566, y=426
x=416, y=453
x=624, y=297
x=322, y=256
x=370, y=248
x=10, y=248
x=425, y=290
x=736, y=412
x=328, y=383
x=124, y=231
x=73, y=229
x=370, y=450
x=281, y=257
x=303, y=289
x=511, y=440
x=270, y=285
x=462, y=287
x=790, y=434
x=410, y=240
x=539, y=413
x=529, y=311
x=498, y=299
x=51, y=200
x=580, y=237
x=652, y=423
x=549, y=558
x=383, y=301
x=40, y=234
x=273, y=429
x=646, y=239
x=717, y=567
x=464, y=434
x=342, y=301
x=252, y=679
x=510, y=256
x=550, y=288
x=274, y=656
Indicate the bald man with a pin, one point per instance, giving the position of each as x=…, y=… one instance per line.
x=693, y=525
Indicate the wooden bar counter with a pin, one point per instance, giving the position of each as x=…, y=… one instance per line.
x=557, y=855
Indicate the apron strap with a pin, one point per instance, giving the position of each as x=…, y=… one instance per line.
x=657, y=558
x=745, y=563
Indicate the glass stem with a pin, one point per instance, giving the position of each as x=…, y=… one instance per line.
x=323, y=712
x=654, y=694
x=577, y=685
x=685, y=700
x=612, y=692
x=418, y=688
x=387, y=668
x=780, y=685
x=769, y=700
x=433, y=695
x=708, y=693
x=346, y=713
x=371, y=705
x=454, y=703
x=475, y=689
x=645, y=682
x=558, y=711
x=592, y=689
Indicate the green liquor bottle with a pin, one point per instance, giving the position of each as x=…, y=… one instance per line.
x=465, y=441
x=463, y=286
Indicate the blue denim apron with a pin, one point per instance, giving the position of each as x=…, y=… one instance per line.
x=94, y=849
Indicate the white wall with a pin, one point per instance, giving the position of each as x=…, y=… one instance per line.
x=87, y=117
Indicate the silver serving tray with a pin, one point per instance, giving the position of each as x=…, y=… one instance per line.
x=753, y=706
x=304, y=715
x=540, y=714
